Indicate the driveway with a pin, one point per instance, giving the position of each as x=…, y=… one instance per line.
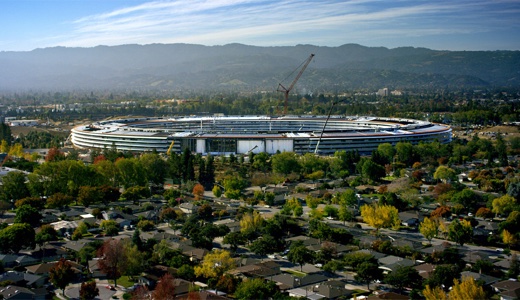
x=72, y=291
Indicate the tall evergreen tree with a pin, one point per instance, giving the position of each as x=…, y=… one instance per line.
x=5, y=133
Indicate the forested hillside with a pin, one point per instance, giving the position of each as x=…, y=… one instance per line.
x=249, y=68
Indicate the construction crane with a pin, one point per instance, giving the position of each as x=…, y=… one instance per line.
x=285, y=90
x=170, y=148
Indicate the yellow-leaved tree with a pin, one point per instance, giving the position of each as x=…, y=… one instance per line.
x=4, y=147
x=467, y=289
x=429, y=228
x=215, y=264
x=434, y=294
x=380, y=216
x=461, y=290
x=16, y=150
x=508, y=238
x=251, y=222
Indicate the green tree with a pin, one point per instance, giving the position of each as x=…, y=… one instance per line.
x=5, y=133
x=445, y=174
x=88, y=195
x=255, y=289
x=234, y=239
x=61, y=274
x=372, y=171
x=504, y=205
x=344, y=214
x=14, y=187
x=264, y=245
x=186, y=272
x=405, y=276
x=135, y=261
x=368, y=272
x=466, y=197
x=135, y=193
x=299, y=254
x=16, y=237
x=285, y=163
x=217, y=192
x=460, y=232
x=154, y=167
x=59, y=200
x=131, y=172
x=348, y=197
x=405, y=153
x=261, y=162
x=387, y=151
x=28, y=214
x=47, y=233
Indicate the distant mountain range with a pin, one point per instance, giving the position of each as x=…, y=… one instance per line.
x=238, y=67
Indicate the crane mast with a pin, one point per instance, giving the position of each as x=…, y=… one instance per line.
x=285, y=90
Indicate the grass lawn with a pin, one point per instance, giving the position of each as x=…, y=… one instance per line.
x=296, y=273
x=123, y=281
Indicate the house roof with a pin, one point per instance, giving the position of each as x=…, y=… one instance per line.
x=511, y=294
x=202, y=295
x=482, y=277
x=8, y=258
x=45, y=267
x=331, y=290
x=261, y=269
x=425, y=270
x=387, y=295
x=16, y=276
x=506, y=285
x=392, y=259
x=307, y=241
x=377, y=255
x=17, y=292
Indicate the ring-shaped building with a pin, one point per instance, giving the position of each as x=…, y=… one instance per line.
x=219, y=135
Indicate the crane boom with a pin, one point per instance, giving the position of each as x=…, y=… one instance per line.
x=285, y=90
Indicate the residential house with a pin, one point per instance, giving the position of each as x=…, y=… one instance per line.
x=507, y=289
x=202, y=295
x=44, y=268
x=64, y=227
x=425, y=270
x=307, y=241
x=391, y=263
x=188, y=208
x=332, y=289
x=258, y=270
x=305, y=293
x=26, y=260
x=233, y=225
x=152, y=275
x=13, y=292
x=485, y=279
x=387, y=295
x=410, y=218
x=287, y=281
x=8, y=260
x=95, y=270
x=23, y=278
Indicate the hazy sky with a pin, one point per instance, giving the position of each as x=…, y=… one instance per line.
x=442, y=24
